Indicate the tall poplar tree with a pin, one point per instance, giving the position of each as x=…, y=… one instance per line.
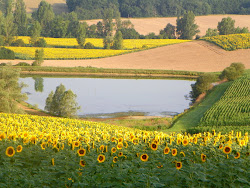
x=20, y=18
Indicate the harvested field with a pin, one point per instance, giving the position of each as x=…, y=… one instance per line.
x=147, y=25
x=59, y=6
x=191, y=56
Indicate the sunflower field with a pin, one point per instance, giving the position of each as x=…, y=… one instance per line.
x=234, y=106
x=231, y=42
x=57, y=152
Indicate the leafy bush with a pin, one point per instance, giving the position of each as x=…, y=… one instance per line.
x=233, y=72
x=22, y=64
x=1, y=40
x=41, y=43
x=6, y=53
x=89, y=45
x=18, y=42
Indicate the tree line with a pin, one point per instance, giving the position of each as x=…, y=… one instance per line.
x=94, y=9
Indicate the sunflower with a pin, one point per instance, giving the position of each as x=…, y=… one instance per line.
x=115, y=159
x=144, y=157
x=82, y=163
x=166, y=150
x=182, y=153
x=174, y=152
x=119, y=145
x=178, y=165
x=19, y=148
x=203, y=157
x=10, y=151
x=113, y=150
x=53, y=161
x=101, y=158
x=185, y=142
x=220, y=146
x=120, y=139
x=154, y=146
x=135, y=141
x=43, y=145
x=242, y=143
x=81, y=152
x=120, y=154
x=102, y=148
x=76, y=144
x=227, y=149
x=195, y=140
x=113, y=139
x=237, y=156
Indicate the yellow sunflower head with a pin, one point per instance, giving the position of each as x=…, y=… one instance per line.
x=82, y=163
x=19, y=148
x=101, y=158
x=10, y=151
x=182, y=154
x=178, y=165
x=174, y=152
x=237, y=156
x=120, y=139
x=203, y=157
x=154, y=146
x=227, y=149
x=81, y=152
x=166, y=150
x=185, y=142
x=115, y=159
x=102, y=147
x=119, y=145
x=120, y=154
x=144, y=157
x=113, y=150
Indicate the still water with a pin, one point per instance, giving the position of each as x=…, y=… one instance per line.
x=99, y=96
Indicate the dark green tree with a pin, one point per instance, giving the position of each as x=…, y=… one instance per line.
x=10, y=90
x=168, y=32
x=99, y=28
x=20, y=18
x=72, y=25
x=186, y=26
x=62, y=103
x=108, y=25
x=44, y=15
x=59, y=27
x=202, y=85
x=234, y=71
x=226, y=26
x=108, y=42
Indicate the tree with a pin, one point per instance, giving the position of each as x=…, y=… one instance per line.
x=211, y=32
x=62, y=103
x=59, y=26
x=9, y=27
x=35, y=32
x=20, y=18
x=168, y=32
x=234, y=71
x=108, y=42
x=203, y=84
x=81, y=35
x=186, y=27
x=10, y=90
x=108, y=24
x=118, y=41
x=44, y=15
x=226, y=26
x=39, y=54
x=38, y=84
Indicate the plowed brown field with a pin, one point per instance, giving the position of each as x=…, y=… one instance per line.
x=190, y=56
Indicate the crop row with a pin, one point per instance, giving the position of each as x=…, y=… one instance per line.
x=231, y=42
x=57, y=152
x=234, y=106
x=128, y=44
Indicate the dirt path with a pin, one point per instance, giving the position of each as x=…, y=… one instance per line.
x=32, y=111
x=191, y=56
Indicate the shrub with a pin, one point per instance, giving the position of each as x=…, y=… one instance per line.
x=202, y=84
x=6, y=53
x=18, y=42
x=233, y=72
x=3, y=64
x=41, y=43
x=22, y=64
x=89, y=45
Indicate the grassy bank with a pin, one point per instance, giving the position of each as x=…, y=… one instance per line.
x=192, y=117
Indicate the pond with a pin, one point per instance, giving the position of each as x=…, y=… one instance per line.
x=103, y=97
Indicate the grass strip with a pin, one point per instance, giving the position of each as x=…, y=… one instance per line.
x=192, y=117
